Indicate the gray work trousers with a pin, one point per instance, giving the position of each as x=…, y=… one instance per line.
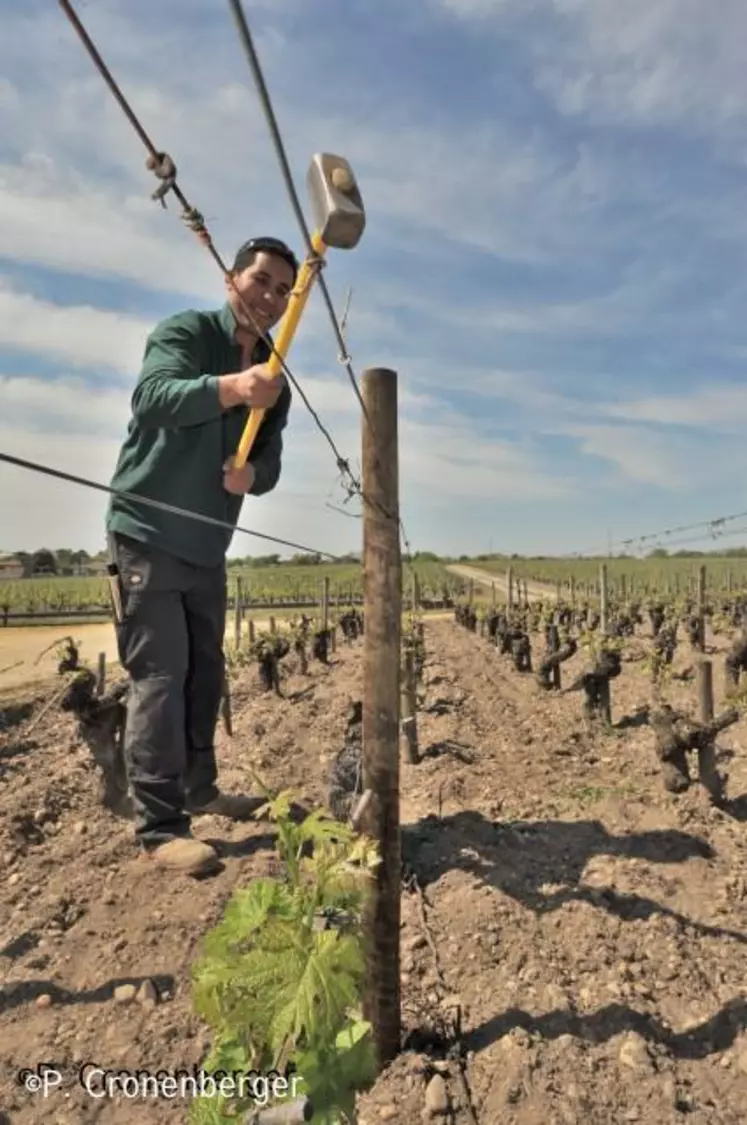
x=170, y=642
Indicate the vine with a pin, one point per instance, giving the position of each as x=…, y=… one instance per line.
x=281, y=975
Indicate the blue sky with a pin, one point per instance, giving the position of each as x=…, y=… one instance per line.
x=554, y=260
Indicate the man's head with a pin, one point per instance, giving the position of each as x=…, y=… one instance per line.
x=264, y=273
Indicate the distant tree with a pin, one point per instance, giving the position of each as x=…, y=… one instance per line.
x=263, y=560
x=64, y=560
x=78, y=560
x=43, y=562
x=24, y=558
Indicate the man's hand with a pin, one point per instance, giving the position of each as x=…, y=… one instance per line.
x=238, y=481
x=252, y=387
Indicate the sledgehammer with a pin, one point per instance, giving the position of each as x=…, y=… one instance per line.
x=340, y=222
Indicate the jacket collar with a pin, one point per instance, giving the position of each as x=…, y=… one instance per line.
x=227, y=322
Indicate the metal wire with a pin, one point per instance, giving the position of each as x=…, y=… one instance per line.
x=195, y=221
x=164, y=167
x=711, y=526
x=247, y=42
x=160, y=504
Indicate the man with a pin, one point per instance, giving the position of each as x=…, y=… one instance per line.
x=201, y=374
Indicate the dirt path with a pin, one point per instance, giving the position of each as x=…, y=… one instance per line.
x=591, y=928
x=535, y=590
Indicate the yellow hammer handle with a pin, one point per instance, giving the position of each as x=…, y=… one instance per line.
x=288, y=326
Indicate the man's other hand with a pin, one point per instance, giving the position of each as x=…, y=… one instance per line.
x=238, y=481
x=252, y=387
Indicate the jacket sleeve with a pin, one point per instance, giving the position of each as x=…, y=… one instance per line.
x=172, y=393
x=266, y=455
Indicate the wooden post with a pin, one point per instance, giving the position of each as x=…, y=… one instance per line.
x=702, y=609
x=325, y=602
x=273, y=626
x=415, y=592
x=251, y=631
x=410, y=708
x=623, y=589
x=510, y=588
x=554, y=645
x=101, y=679
x=704, y=670
x=707, y=771
x=492, y=595
x=471, y=591
x=381, y=704
x=603, y=599
x=573, y=591
x=238, y=612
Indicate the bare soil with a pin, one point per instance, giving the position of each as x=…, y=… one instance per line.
x=589, y=927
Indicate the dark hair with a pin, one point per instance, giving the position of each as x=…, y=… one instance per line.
x=246, y=253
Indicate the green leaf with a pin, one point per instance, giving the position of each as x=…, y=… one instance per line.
x=318, y=827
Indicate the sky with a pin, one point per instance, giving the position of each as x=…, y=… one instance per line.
x=553, y=261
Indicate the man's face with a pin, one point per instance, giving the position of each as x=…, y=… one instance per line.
x=265, y=287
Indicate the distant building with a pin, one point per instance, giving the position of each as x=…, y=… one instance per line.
x=13, y=567
x=94, y=568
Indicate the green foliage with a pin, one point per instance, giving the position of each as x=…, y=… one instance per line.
x=280, y=977
x=266, y=579
x=595, y=643
x=658, y=671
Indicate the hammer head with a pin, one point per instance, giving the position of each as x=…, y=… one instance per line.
x=336, y=201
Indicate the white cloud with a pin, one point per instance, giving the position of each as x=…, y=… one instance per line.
x=451, y=460
x=79, y=335
x=721, y=407
x=66, y=222
x=639, y=455
x=673, y=61
x=77, y=428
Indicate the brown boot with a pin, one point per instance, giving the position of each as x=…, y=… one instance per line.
x=237, y=806
x=233, y=806
x=185, y=855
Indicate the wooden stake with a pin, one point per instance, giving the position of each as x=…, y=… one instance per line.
x=603, y=599
x=510, y=588
x=554, y=645
x=381, y=703
x=708, y=773
x=415, y=592
x=325, y=602
x=702, y=609
x=238, y=612
x=410, y=709
x=101, y=679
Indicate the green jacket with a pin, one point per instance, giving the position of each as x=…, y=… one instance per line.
x=180, y=436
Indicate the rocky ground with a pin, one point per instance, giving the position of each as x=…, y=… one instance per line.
x=587, y=928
